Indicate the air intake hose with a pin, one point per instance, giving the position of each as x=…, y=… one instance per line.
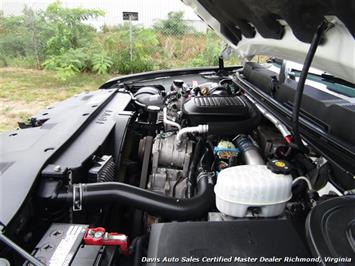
x=155, y=204
x=250, y=152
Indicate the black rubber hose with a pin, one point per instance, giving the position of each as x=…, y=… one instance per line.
x=154, y=203
x=207, y=158
x=300, y=85
x=191, y=177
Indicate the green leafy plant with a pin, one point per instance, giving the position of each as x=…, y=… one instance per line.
x=67, y=64
x=101, y=63
x=66, y=27
x=117, y=44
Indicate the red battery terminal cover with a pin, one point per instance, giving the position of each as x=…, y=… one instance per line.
x=99, y=237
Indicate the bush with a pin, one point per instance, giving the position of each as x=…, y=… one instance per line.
x=145, y=44
x=101, y=63
x=47, y=37
x=68, y=64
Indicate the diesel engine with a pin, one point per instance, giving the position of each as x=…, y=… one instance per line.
x=189, y=169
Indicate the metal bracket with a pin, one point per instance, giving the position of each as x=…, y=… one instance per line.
x=77, y=197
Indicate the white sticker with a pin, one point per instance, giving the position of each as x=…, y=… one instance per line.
x=62, y=255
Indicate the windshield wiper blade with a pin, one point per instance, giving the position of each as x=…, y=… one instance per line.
x=334, y=79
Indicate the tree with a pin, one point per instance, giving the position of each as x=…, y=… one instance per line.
x=12, y=37
x=69, y=39
x=67, y=29
x=31, y=23
x=173, y=25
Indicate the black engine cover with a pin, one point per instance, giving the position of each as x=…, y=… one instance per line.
x=203, y=109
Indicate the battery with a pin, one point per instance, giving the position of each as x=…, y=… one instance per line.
x=60, y=244
x=63, y=244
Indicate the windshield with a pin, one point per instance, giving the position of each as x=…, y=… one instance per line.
x=317, y=79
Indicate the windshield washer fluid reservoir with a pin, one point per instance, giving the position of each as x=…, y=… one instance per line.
x=245, y=188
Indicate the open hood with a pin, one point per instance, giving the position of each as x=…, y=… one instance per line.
x=284, y=29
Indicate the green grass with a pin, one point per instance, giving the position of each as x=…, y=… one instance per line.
x=24, y=92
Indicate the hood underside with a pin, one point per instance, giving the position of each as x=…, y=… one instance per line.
x=284, y=29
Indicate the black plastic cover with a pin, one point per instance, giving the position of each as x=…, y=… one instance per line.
x=332, y=114
x=330, y=229
x=262, y=77
x=96, y=132
x=240, y=238
x=24, y=152
x=203, y=109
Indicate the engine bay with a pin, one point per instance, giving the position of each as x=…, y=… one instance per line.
x=189, y=166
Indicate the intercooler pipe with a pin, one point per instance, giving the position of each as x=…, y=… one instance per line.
x=218, y=129
x=166, y=121
x=154, y=203
x=250, y=152
x=281, y=127
x=181, y=135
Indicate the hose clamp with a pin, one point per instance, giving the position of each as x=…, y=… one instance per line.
x=208, y=175
x=77, y=197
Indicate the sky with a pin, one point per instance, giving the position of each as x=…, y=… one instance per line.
x=148, y=10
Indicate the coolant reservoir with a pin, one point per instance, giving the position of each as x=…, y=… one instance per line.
x=252, y=188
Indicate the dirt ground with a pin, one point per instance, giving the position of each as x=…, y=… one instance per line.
x=24, y=92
